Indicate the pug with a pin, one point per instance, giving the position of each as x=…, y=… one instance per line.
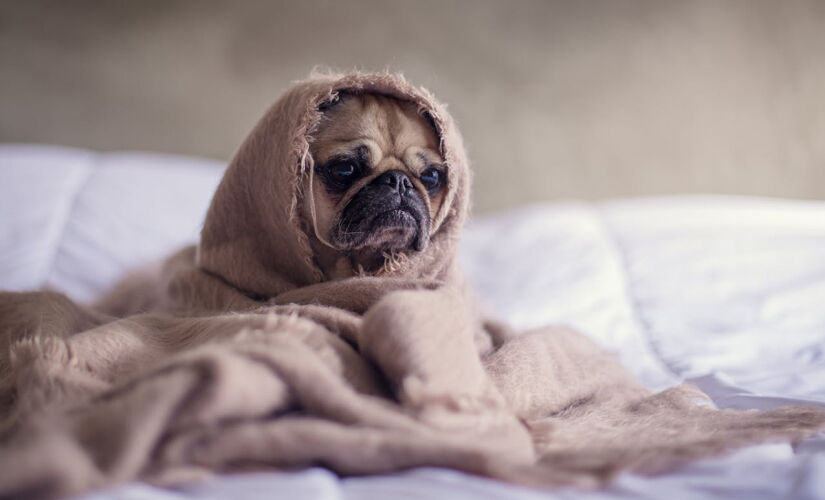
x=376, y=184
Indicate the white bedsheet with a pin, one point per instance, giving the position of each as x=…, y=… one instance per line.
x=728, y=293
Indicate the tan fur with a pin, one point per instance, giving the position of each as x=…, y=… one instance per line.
x=245, y=355
x=397, y=137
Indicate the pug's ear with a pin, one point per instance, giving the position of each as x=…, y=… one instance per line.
x=329, y=102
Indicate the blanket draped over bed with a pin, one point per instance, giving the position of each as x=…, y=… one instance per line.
x=239, y=355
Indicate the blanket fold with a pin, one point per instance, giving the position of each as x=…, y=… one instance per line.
x=239, y=354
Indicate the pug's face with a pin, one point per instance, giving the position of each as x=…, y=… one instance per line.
x=378, y=182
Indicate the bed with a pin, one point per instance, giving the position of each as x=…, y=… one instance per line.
x=727, y=293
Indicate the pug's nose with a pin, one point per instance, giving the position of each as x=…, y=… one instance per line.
x=396, y=179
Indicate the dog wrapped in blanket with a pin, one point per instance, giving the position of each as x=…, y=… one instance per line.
x=322, y=319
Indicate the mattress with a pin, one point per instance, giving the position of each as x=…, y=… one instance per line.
x=727, y=293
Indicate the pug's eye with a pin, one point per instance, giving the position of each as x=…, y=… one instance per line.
x=432, y=178
x=340, y=175
x=343, y=171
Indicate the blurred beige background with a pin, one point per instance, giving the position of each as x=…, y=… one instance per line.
x=556, y=99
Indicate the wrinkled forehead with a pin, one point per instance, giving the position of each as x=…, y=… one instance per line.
x=377, y=122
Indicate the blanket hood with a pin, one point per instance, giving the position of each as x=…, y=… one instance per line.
x=254, y=237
